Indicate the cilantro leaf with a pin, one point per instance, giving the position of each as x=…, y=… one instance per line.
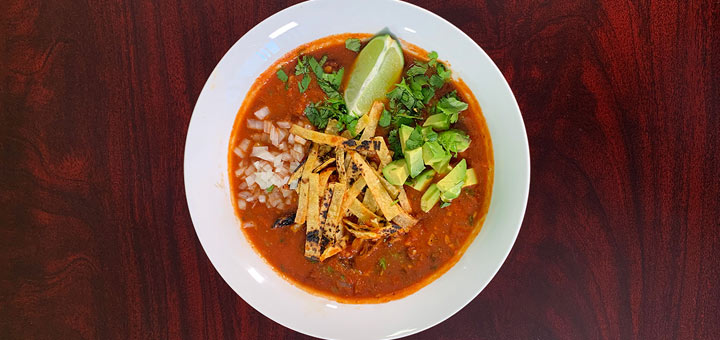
x=316, y=118
x=282, y=76
x=417, y=69
x=454, y=140
x=317, y=66
x=329, y=90
x=394, y=144
x=385, y=118
x=436, y=81
x=444, y=204
x=433, y=58
x=353, y=44
x=302, y=65
x=270, y=188
x=415, y=140
x=451, y=106
x=304, y=83
x=443, y=72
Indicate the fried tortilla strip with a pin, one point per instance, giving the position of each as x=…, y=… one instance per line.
x=404, y=201
x=391, y=189
x=369, y=201
x=324, y=177
x=324, y=164
x=317, y=137
x=296, y=175
x=362, y=212
x=313, y=231
x=332, y=127
x=324, y=151
x=372, y=122
x=334, y=210
x=330, y=252
x=324, y=210
x=390, y=229
x=340, y=165
x=351, y=195
x=353, y=170
x=404, y=220
x=361, y=232
x=364, y=147
x=301, y=214
x=382, y=150
x=385, y=203
x=361, y=124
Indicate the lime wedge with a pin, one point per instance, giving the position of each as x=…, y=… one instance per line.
x=377, y=68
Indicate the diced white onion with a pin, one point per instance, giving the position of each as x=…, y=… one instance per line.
x=284, y=125
x=254, y=124
x=241, y=204
x=262, y=113
x=244, y=145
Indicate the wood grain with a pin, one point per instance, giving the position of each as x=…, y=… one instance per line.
x=621, y=100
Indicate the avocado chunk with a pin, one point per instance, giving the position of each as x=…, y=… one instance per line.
x=443, y=166
x=430, y=198
x=454, y=140
x=414, y=160
x=438, y=122
x=452, y=182
x=423, y=180
x=470, y=178
x=396, y=172
x=433, y=152
x=451, y=193
x=404, y=134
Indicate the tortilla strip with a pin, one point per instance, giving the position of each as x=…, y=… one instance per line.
x=360, y=232
x=362, y=212
x=324, y=164
x=332, y=127
x=324, y=209
x=296, y=175
x=361, y=124
x=391, y=189
x=381, y=196
x=334, y=210
x=330, y=252
x=365, y=147
x=369, y=201
x=301, y=213
x=390, y=229
x=373, y=118
x=404, y=220
x=352, y=194
x=353, y=170
x=312, y=230
x=324, y=177
x=382, y=151
x=340, y=164
x=404, y=201
x=317, y=137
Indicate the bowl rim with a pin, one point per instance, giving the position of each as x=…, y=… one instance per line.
x=524, y=147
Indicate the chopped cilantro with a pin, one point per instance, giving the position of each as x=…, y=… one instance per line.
x=270, y=188
x=304, y=83
x=415, y=140
x=282, y=76
x=443, y=72
x=433, y=58
x=451, y=106
x=417, y=69
x=302, y=65
x=444, y=204
x=382, y=264
x=394, y=144
x=385, y=118
x=436, y=81
x=353, y=44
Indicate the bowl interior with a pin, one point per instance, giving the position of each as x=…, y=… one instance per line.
x=208, y=193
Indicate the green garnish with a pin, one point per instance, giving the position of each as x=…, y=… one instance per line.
x=385, y=118
x=282, y=76
x=394, y=144
x=270, y=188
x=433, y=58
x=451, y=106
x=304, y=83
x=415, y=140
x=444, y=204
x=353, y=44
x=454, y=140
x=382, y=264
x=417, y=69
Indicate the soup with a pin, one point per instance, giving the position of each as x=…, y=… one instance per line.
x=360, y=170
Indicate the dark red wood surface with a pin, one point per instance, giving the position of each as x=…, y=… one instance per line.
x=621, y=239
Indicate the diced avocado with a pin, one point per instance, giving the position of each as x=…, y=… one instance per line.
x=454, y=177
x=404, y=134
x=433, y=152
x=423, y=180
x=396, y=172
x=430, y=198
x=454, y=140
x=414, y=160
x=451, y=193
x=443, y=166
x=470, y=178
x=438, y=122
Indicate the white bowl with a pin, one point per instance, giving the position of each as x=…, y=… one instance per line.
x=208, y=194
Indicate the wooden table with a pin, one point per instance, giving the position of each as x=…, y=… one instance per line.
x=621, y=239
